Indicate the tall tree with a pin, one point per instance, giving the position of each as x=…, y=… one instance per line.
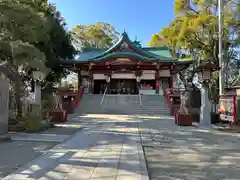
x=157, y=40
x=21, y=27
x=59, y=46
x=99, y=35
x=195, y=29
x=32, y=35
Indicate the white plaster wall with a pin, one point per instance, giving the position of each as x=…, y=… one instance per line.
x=123, y=76
x=164, y=73
x=98, y=76
x=149, y=72
x=146, y=76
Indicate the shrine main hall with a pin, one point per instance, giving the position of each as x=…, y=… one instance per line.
x=126, y=68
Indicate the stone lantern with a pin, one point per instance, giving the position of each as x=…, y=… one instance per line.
x=38, y=77
x=206, y=75
x=205, y=69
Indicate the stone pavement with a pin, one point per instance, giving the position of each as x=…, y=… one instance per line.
x=58, y=138
x=108, y=148
x=25, y=147
x=14, y=154
x=187, y=153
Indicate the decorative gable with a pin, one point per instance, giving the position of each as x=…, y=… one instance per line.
x=124, y=46
x=120, y=61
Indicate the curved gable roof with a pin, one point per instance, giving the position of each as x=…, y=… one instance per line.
x=149, y=54
x=125, y=38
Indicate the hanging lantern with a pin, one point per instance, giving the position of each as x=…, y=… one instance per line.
x=138, y=79
x=108, y=79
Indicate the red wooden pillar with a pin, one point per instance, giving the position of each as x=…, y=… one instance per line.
x=157, y=77
x=171, y=83
x=91, y=82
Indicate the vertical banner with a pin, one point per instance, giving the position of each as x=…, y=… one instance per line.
x=228, y=108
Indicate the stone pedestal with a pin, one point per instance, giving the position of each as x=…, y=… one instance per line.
x=4, y=100
x=37, y=93
x=36, y=110
x=36, y=102
x=205, y=111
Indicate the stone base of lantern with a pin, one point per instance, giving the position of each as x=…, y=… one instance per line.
x=183, y=119
x=4, y=137
x=36, y=111
x=59, y=116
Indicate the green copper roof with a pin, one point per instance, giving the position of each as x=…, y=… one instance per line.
x=124, y=55
x=88, y=55
x=161, y=54
x=159, y=51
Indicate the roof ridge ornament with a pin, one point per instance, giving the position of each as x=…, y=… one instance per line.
x=124, y=45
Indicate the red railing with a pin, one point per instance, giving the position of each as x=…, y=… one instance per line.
x=73, y=99
x=170, y=96
x=171, y=92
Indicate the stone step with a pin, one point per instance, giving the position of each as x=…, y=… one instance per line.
x=124, y=104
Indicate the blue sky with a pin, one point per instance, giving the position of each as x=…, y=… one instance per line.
x=141, y=18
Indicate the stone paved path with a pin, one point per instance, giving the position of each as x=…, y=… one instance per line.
x=188, y=153
x=26, y=147
x=107, y=148
x=17, y=153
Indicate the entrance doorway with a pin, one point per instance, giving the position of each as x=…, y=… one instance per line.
x=123, y=86
x=99, y=86
x=116, y=86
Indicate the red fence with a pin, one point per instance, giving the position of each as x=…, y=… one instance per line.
x=70, y=101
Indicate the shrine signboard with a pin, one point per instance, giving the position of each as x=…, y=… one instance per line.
x=120, y=61
x=228, y=108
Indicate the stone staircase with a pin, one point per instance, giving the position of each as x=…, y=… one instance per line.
x=124, y=104
x=154, y=105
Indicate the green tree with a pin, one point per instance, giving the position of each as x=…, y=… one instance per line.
x=195, y=29
x=21, y=27
x=59, y=46
x=32, y=35
x=99, y=35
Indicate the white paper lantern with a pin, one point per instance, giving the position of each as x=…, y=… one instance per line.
x=108, y=79
x=138, y=79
